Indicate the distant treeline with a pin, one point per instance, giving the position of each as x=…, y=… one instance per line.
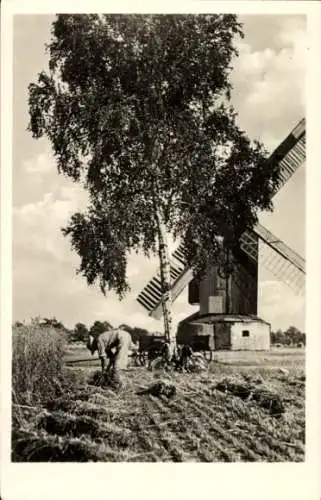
x=80, y=332
x=290, y=337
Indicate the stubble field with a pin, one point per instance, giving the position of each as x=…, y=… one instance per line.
x=200, y=424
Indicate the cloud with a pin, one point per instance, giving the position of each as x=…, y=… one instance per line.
x=37, y=175
x=280, y=305
x=41, y=164
x=44, y=261
x=39, y=224
x=269, y=96
x=269, y=91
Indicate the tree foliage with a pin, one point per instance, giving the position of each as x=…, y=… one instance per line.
x=137, y=109
x=291, y=336
x=137, y=333
x=99, y=327
x=52, y=323
x=80, y=332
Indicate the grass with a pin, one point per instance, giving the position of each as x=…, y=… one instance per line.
x=274, y=358
x=37, y=363
x=202, y=423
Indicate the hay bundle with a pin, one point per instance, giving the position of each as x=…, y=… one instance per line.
x=159, y=388
x=35, y=446
x=246, y=390
x=98, y=399
x=27, y=416
x=78, y=407
x=234, y=386
x=90, y=390
x=197, y=363
x=269, y=401
x=63, y=403
x=105, y=379
x=160, y=363
x=90, y=409
x=62, y=423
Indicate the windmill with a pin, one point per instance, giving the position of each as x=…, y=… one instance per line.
x=236, y=296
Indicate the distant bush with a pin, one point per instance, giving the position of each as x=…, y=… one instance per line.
x=79, y=333
x=99, y=327
x=292, y=337
x=37, y=365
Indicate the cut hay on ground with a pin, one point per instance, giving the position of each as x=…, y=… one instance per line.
x=224, y=415
x=35, y=446
x=253, y=390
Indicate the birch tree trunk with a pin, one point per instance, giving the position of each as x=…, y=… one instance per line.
x=164, y=262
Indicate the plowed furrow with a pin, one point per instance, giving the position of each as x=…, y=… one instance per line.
x=245, y=435
x=147, y=444
x=263, y=432
x=149, y=436
x=169, y=440
x=272, y=435
x=178, y=425
x=209, y=449
x=268, y=447
x=216, y=430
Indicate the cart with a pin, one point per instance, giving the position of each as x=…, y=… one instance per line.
x=149, y=349
x=203, y=344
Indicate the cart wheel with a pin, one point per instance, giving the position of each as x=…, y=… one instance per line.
x=208, y=355
x=142, y=359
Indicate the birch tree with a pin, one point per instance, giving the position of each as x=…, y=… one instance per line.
x=137, y=109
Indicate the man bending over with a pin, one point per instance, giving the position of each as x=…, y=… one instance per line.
x=113, y=345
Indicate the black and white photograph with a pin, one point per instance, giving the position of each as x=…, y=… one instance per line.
x=159, y=237
x=158, y=279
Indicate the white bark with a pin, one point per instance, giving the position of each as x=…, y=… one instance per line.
x=164, y=262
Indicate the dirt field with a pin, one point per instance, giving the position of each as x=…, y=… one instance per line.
x=200, y=424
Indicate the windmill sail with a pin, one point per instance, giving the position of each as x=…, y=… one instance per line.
x=280, y=248
x=181, y=274
x=283, y=262
x=290, y=154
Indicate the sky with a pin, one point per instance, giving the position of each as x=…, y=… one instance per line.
x=268, y=80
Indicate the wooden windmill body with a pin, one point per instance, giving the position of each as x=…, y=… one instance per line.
x=228, y=306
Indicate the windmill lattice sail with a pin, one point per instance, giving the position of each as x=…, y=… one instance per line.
x=150, y=297
x=276, y=256
x=290, y=154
